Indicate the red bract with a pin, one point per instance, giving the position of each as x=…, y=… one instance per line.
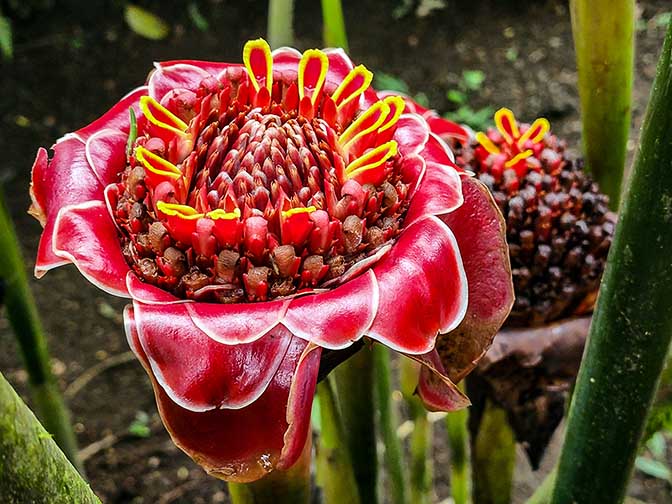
x=258, y=214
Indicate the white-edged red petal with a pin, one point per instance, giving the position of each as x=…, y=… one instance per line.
x=411, y=134
x=423, y=288
x=199, y=373
x=238, y=323
x=440, y=192
x=286, y=63
x=338, y=317
x=117, y=117
x=106, y=154
x=437, y=391
x=165, y=78
x=86, y=235
x=65, y=180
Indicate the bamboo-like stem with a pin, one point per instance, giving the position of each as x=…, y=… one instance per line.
x=604, y=42
x=279, y=487
x=632, y=324
x=32, y=467
x=334, y=468
x=333, y=24
x=493, y=457
x=354, y=387
x=544, y=492
x=421, y=465
x=388, y=422
x=280, y=23
x=22, y=314
x=458, y=442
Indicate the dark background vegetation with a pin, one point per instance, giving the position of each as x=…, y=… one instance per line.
x=74, y=59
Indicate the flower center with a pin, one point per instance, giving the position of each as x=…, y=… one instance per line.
x=254, y=188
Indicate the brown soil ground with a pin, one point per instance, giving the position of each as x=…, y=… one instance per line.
x=74, y=61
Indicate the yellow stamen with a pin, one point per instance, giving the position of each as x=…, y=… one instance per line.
x=358, y=71
x=380, y=107
x=541, y=126
x=513, y=161
x=156, y=164
x=487, y=144
x=397, y=105
x=220, y=213
x=308, y=56
x=500, y=116
x=298, y=210
x=182, y=211
x=258, y=45
x=372, y=159
x=148, y=105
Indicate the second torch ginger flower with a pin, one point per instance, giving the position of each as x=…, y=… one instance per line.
x=260, y=215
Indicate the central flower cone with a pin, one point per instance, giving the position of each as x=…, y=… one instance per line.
x=258, y=214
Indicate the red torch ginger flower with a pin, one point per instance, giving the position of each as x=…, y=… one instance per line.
x=257, y=214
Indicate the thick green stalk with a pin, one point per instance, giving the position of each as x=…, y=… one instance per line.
x=421, y=465
x=388, y=422
x=632, y=324
x=279, y=487
x=333, y=24
x=32, y=468
x=334, y=468
x=22, y=314
x=280, y=23
x=493, y=457
x=354, y=386
x=458, y=442
x=604, y=44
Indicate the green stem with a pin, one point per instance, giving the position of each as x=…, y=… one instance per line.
x=280, y=23
x=333, y=31
x=32, y=466
x=354, y=385
x=23, y=316
x=388, y=422
x=279, y=487
x=543, y=493
x=493, y=457
x=632, y=324
x=334, y=468
x=421, y=465
x=604, y=42
x=458, y=441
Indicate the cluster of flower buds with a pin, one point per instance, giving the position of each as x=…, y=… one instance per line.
x=559, y=227
x=258, y=191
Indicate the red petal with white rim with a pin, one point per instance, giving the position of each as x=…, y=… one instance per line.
x=117, y=117
x=447, y=129
x=199, y=373
x=480, y=232
x=86, y=235
x=233, y=324
x=243, y=445
x=148, y=293
x=211, y=67
x=436, y=390
x=65, y=180
x=438, y=151
x=412, y=134
x=286, y=62
x=440, y=192
x=336, y=318
x=178, y=76
x=106, y=154
x=423, y=273
x=299, y=406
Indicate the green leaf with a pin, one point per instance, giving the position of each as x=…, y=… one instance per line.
x=456, y=96
x=197, y=18
x=145, y=23
x=653, y=468
x=390, y=83
x=473, y=79
x=657, y=445
x=663, y=19
x=6, y=45
x=422, y=99
x=512, y=54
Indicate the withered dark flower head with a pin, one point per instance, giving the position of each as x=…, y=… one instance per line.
x=559, y=226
